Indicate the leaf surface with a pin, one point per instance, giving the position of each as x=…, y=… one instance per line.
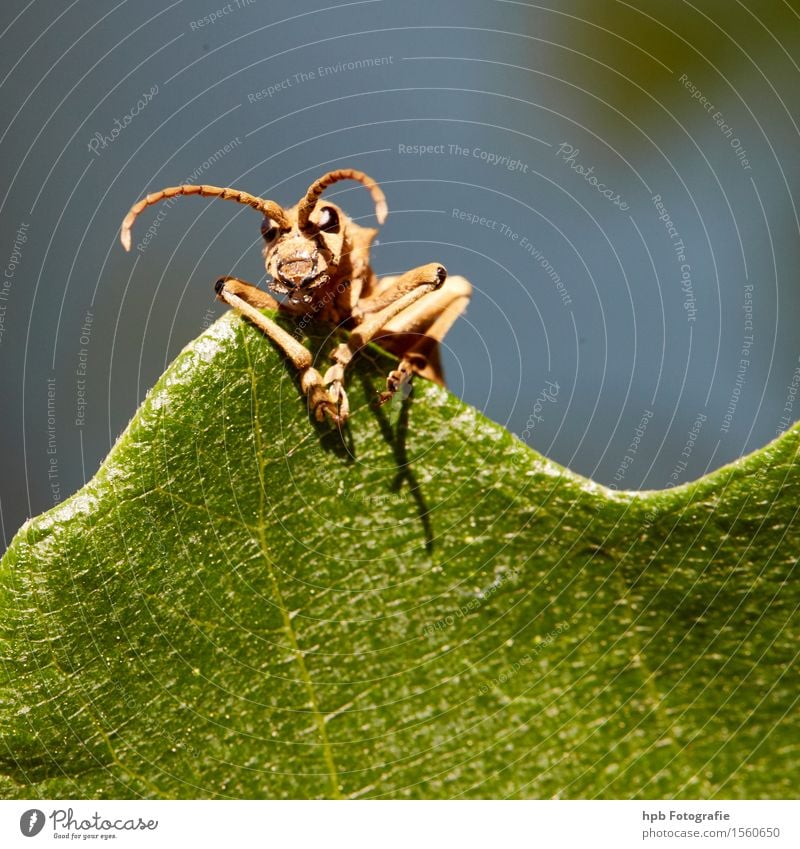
x=243, y=603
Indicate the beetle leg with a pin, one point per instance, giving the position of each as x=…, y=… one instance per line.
x=247, y=292
x=428, y=320
x=241, y=296
x=405, y=291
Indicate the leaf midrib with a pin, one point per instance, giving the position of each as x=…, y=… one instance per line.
x=319, y=719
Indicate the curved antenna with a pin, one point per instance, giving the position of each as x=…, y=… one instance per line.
x=268, y=207
x=306, y=205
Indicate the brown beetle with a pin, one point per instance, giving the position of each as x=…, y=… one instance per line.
x=318, y=258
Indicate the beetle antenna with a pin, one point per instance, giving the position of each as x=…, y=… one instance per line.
x=306, y=205
x=268, y=207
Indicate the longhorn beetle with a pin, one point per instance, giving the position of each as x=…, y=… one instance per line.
x=319, y=259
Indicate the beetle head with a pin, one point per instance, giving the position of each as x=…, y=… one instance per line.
x=314, y=247
x=301, y=259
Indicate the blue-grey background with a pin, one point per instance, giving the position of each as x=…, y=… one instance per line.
x=511, y=79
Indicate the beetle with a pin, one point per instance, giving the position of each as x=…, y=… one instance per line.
x=318, y=259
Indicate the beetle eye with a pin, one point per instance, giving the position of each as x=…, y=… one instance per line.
x=329, y=220
x=268, y=230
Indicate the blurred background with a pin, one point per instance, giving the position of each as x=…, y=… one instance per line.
x=616, y=180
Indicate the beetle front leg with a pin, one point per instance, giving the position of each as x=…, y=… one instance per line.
x=247, y=292
x=405, y=291
x=242, y=296
x=334, y=384
x=429, y=320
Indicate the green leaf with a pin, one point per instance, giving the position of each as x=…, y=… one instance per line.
x=243, y=604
